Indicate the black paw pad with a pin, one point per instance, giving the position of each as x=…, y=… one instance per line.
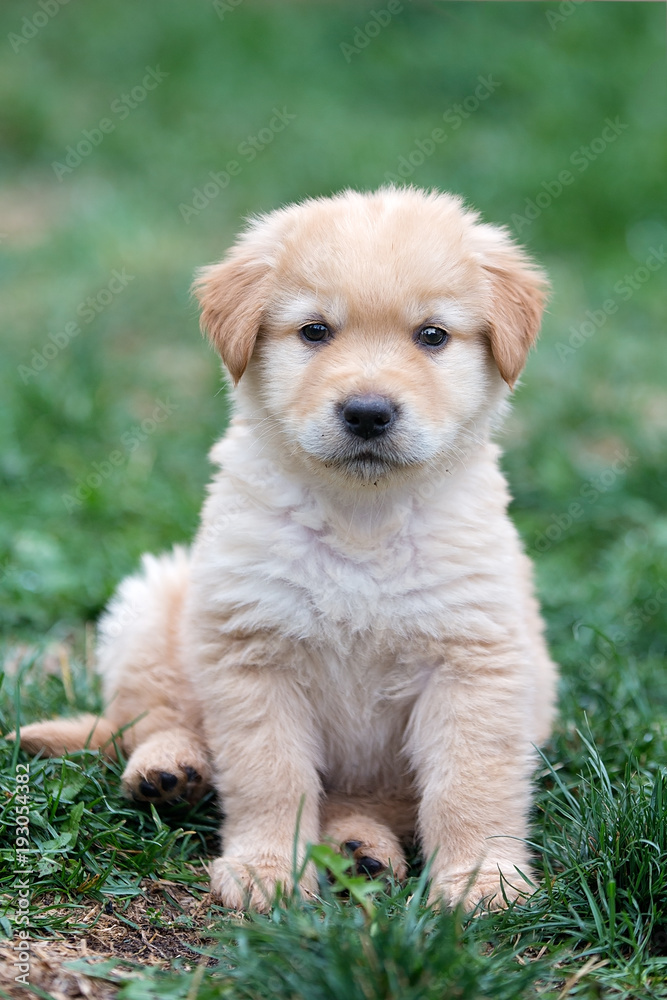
x=168, y=781
x=148, y=789
x=192, y=774
x=369, y=866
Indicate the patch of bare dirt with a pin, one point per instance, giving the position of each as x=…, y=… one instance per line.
x=165, y=923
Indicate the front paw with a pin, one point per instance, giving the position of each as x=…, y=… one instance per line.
x=485, y=888
x=167, y=766
x=242, y=883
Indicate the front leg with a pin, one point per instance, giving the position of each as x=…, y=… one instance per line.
x=470, y=747
x=260, y=728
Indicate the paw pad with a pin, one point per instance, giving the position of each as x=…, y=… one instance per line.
x=168, y=781
x=162, y=786
x=364, y=863
x=148, y=789
x=369, y=866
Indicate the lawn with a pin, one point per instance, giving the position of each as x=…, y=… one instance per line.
x=136, y=138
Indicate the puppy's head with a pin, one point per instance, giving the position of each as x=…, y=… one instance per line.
x=377, y=332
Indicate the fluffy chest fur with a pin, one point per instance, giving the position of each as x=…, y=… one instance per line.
x=393, y=569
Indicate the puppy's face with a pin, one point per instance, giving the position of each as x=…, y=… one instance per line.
x=376, y=330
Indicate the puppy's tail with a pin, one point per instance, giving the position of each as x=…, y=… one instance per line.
x=58, y=736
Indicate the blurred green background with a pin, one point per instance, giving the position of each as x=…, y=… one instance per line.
x=365, y=90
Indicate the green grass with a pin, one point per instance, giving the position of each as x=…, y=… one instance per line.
x=584, y=446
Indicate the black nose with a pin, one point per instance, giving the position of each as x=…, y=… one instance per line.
x=368, y=416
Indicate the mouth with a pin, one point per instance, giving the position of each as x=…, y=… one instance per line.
x=343, y=450
x=368, y=463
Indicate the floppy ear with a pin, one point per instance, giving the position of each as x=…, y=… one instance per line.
x=232, y=296
x=519, y=291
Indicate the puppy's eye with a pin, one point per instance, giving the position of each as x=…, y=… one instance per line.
x=432, y=336
x=315, y=333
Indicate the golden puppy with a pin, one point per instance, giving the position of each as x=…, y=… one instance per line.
x=354, y=634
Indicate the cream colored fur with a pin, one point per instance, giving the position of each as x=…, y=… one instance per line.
x=354, y=632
